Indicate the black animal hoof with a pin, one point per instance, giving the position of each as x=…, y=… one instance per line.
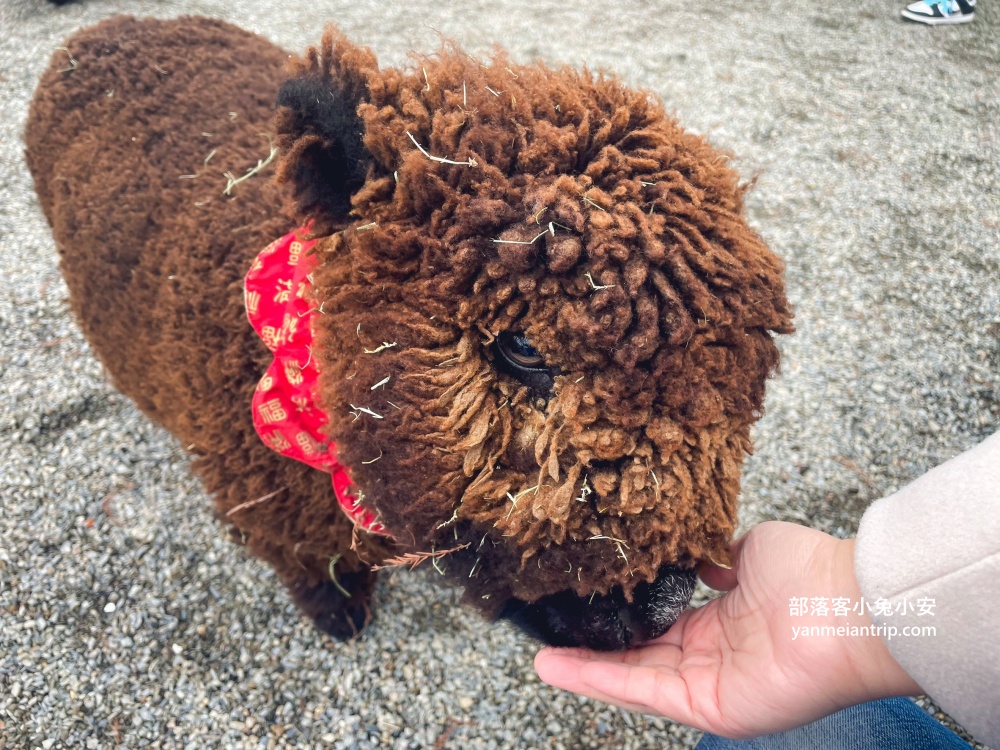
x=340, y=616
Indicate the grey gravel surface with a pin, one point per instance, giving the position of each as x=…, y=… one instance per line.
x=127, y=619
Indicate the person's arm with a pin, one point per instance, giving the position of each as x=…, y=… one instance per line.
x=934, y=547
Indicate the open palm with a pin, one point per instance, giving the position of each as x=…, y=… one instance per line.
x=732, y=667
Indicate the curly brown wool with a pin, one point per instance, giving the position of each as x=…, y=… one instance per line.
x=456, y=204
x=586, y=219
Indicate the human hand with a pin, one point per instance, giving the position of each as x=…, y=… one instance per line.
x=732, y=667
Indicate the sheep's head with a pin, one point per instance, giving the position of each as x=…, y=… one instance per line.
x=545, y=330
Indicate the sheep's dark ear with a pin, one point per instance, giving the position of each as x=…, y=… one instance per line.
x=324, y=159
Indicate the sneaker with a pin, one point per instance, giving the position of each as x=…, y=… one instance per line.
x=941, y=11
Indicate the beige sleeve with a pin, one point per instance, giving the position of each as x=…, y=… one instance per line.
x=938, y=540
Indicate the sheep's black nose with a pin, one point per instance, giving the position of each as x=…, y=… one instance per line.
x=606, y=623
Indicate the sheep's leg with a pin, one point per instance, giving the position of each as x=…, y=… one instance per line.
x=286, y=513
x=341, y=615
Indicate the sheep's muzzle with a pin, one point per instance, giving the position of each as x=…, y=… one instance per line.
x=609, y=622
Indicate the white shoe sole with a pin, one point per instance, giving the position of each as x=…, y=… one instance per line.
x=935, y=21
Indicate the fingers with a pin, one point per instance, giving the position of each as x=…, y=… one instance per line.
x=657, y=653
x=719, y=578
x=657, y=690
x=564, y=670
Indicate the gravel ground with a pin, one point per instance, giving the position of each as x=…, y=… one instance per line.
x=127, y=619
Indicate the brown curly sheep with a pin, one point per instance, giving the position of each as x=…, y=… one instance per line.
x=542, y=325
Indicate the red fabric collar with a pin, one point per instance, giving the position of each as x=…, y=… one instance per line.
x=276, y=295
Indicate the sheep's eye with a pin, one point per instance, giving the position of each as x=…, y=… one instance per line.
x=516, y=348
x=515, y=356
